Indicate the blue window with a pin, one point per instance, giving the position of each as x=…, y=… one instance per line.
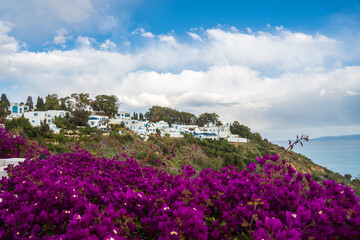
x=35, y=114
x=127, y=114
x=20, y=110
x=15, y=110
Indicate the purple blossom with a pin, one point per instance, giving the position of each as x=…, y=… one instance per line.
x=78, y=196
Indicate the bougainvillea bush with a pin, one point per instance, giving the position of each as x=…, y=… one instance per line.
x=79, y=196
x=12, y=146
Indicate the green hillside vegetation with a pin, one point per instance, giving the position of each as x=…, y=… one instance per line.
x=167, y=153
x=171, y=154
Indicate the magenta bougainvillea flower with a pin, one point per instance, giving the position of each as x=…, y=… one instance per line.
x=79, y=196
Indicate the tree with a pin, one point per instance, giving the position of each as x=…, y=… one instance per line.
x=3, y=111
x=65, y=103
x=135, y=116
x=79, y=118
x=40, y=106
x=158, y=113
x=207, y=118
x=4, y=105
x=244, y=131
x=29, y=102
x=107, y=104
x=5, y=100
x=186, y=118
x=348, y=176
x=52, y=102
x=79, y=104
x=141, y=116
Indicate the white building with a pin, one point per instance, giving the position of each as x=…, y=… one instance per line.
x=163, y=127
x=141, y=127
x=234, y=138
x=36, y=118
x=98, y=121
x=206, y=133
x=17, y=110
x=123, y=116
x=224, y=131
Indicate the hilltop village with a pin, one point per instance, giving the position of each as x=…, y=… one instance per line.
x=142, y=127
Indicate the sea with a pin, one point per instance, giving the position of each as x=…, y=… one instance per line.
x=340, y=154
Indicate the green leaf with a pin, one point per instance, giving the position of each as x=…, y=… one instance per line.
x=245, y=224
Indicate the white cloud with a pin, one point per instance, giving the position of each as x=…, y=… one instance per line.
x=279, y=28
x=66, y=10
x=195, y=36
x=107, y=45
x=35, y=21
x=143, y=33
x=168, y=39
x=8, y=44
x=84, y=41
x=61, y=37
x=352, y=93
x=223, y=73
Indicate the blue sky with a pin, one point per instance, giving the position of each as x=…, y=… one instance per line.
x=281, y=67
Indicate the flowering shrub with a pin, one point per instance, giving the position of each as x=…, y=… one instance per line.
x=12, y=146
x=79, y=196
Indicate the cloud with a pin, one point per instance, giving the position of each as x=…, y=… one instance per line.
x=8, y=44
x=226, y=72
x=36, y=21
x=168, y=39
x=143, y=33
x=84, y=41
x=195, y=36
x=273, y=52
x=61, y=37
x=107, y=45
x=68, y=10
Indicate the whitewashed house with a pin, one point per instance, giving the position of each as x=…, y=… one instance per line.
x=176, y=130
x=138, y=127
x=234, y=138
x=206, y=133
x=36, y=118
x=163, y=127
x=17, y=110
x=224, y=131
x=121, y=117
x=98, y=121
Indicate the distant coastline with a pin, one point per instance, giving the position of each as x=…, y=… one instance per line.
x=338, y=153
x=343, y=137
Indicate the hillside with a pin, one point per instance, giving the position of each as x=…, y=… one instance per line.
x=82, y=196
x=168, y=153
x=171, y=154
